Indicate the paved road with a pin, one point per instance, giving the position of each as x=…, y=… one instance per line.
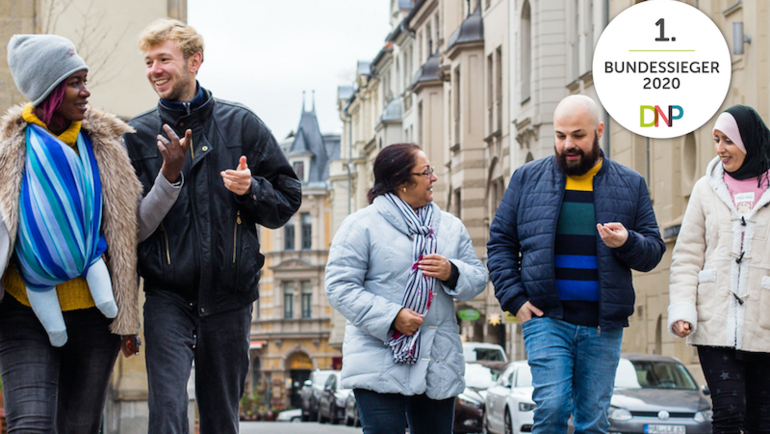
x=296, y=428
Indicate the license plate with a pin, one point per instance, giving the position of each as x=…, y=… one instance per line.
x=664, y=429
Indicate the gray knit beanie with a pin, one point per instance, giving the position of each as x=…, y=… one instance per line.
x=40, y=62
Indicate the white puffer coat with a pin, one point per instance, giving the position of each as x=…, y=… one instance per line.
x=369, y=262
x=725, y=297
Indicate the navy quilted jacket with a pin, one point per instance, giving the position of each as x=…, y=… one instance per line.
x=521, y=241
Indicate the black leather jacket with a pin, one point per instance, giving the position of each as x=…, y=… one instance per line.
x=207, y=246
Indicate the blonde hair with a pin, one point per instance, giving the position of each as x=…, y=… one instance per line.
x=187, y=40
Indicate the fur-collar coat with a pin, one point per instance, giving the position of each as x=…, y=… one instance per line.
x=720, y=270
x=120, y=192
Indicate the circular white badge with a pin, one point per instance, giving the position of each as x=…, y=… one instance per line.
x=661, y=69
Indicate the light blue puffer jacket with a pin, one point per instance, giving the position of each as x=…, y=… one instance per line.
x=366, y=274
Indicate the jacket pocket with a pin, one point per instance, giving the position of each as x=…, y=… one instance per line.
x=707, y=294
x=764, y=303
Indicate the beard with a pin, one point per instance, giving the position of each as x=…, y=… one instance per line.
x=587, y=160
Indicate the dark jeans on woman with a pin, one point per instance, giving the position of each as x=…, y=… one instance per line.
x=387, y=413
x=740, y=389
x=218, y=344
x=48, y=389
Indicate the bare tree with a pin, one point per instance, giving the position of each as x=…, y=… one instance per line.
x=95, y=41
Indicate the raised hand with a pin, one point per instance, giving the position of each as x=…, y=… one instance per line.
x=239, y=180
x=614, y=235
x=174, y=152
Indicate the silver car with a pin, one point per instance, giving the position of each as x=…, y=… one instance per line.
x=657, y=395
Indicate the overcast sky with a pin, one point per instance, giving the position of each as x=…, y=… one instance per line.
x=264, y=53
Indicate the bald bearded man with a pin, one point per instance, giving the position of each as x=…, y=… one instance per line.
x=562, y=245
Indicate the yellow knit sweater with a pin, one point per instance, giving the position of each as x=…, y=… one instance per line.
x=74, y=294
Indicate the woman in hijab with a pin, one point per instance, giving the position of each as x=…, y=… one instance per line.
x=720, y=274
x=394, y=269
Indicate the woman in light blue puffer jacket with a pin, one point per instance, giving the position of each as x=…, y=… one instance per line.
x=394, y=269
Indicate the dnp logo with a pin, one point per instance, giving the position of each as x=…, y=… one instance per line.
x=658, y=113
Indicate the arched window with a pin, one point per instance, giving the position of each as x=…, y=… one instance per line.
x=525, y=44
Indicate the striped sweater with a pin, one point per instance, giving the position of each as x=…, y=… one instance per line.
x=577, y=276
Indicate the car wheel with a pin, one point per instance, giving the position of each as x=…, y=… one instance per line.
x=321, y=418
x=333, y=415
x=508, y=424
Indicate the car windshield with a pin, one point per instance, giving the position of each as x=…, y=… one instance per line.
x=649, y=374
x=524, y=377
x=479, y=377
x=319, y=379
x=489, y=354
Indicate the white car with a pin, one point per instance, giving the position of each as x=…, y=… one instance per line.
x=482, y=351
x=508, y=403
x=294, y=415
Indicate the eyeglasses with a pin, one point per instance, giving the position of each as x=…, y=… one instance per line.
x=428, y=172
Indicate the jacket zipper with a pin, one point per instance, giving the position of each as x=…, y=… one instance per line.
x=235, y=234
x=165, y=237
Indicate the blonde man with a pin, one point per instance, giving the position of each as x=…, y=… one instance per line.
x=200, y=256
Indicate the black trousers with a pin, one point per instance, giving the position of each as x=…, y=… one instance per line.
x=740, y=389
x=218, y=344
x=387, y=413
x=49, y=389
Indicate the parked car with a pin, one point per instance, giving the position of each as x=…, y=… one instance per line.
x=657, y=394
x=351, y=411
x=294, y=415
x=653, y=394
x=508, y=405
x=331, y=403
x=469, y=405
x=311, y=391
x=475, y=351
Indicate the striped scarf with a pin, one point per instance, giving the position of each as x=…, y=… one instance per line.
x=60, y=211
x=419, y=288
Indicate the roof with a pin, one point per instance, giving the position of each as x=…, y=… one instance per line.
x=647, y=357
x=428, y=71
x=364, y=67
x=471, y=30
x=388, y=48
x=393, y=111
x=309, y=140
x=345, y=93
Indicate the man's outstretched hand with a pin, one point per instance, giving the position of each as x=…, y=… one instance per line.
x=239, y=180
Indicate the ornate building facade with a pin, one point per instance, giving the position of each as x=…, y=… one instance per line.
x=290, y=329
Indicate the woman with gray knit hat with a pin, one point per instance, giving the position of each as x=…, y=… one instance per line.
x=68, y=225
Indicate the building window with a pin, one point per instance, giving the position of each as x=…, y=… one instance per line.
x=525, y=41
x=288, y=300
x=307, y=230
x=438, y=31
x=288, y=236
x=458, y=203
x=307, y=299
x=430, y=40
x=299, y=169
x=257, y=309
x=490, y=92
x=499, y=88
x=418, y=139
x=457, y=101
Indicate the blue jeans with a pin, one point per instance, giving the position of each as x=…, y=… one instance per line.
x=573, y=371
x=387, y=413
x=49, y=389
x=219, y=344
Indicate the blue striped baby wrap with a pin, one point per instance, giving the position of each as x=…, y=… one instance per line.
x=60, y=211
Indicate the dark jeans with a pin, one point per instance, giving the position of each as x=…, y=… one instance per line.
x=218, y=344
x=49, y=389
x=740, y=389
x=387, y=413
